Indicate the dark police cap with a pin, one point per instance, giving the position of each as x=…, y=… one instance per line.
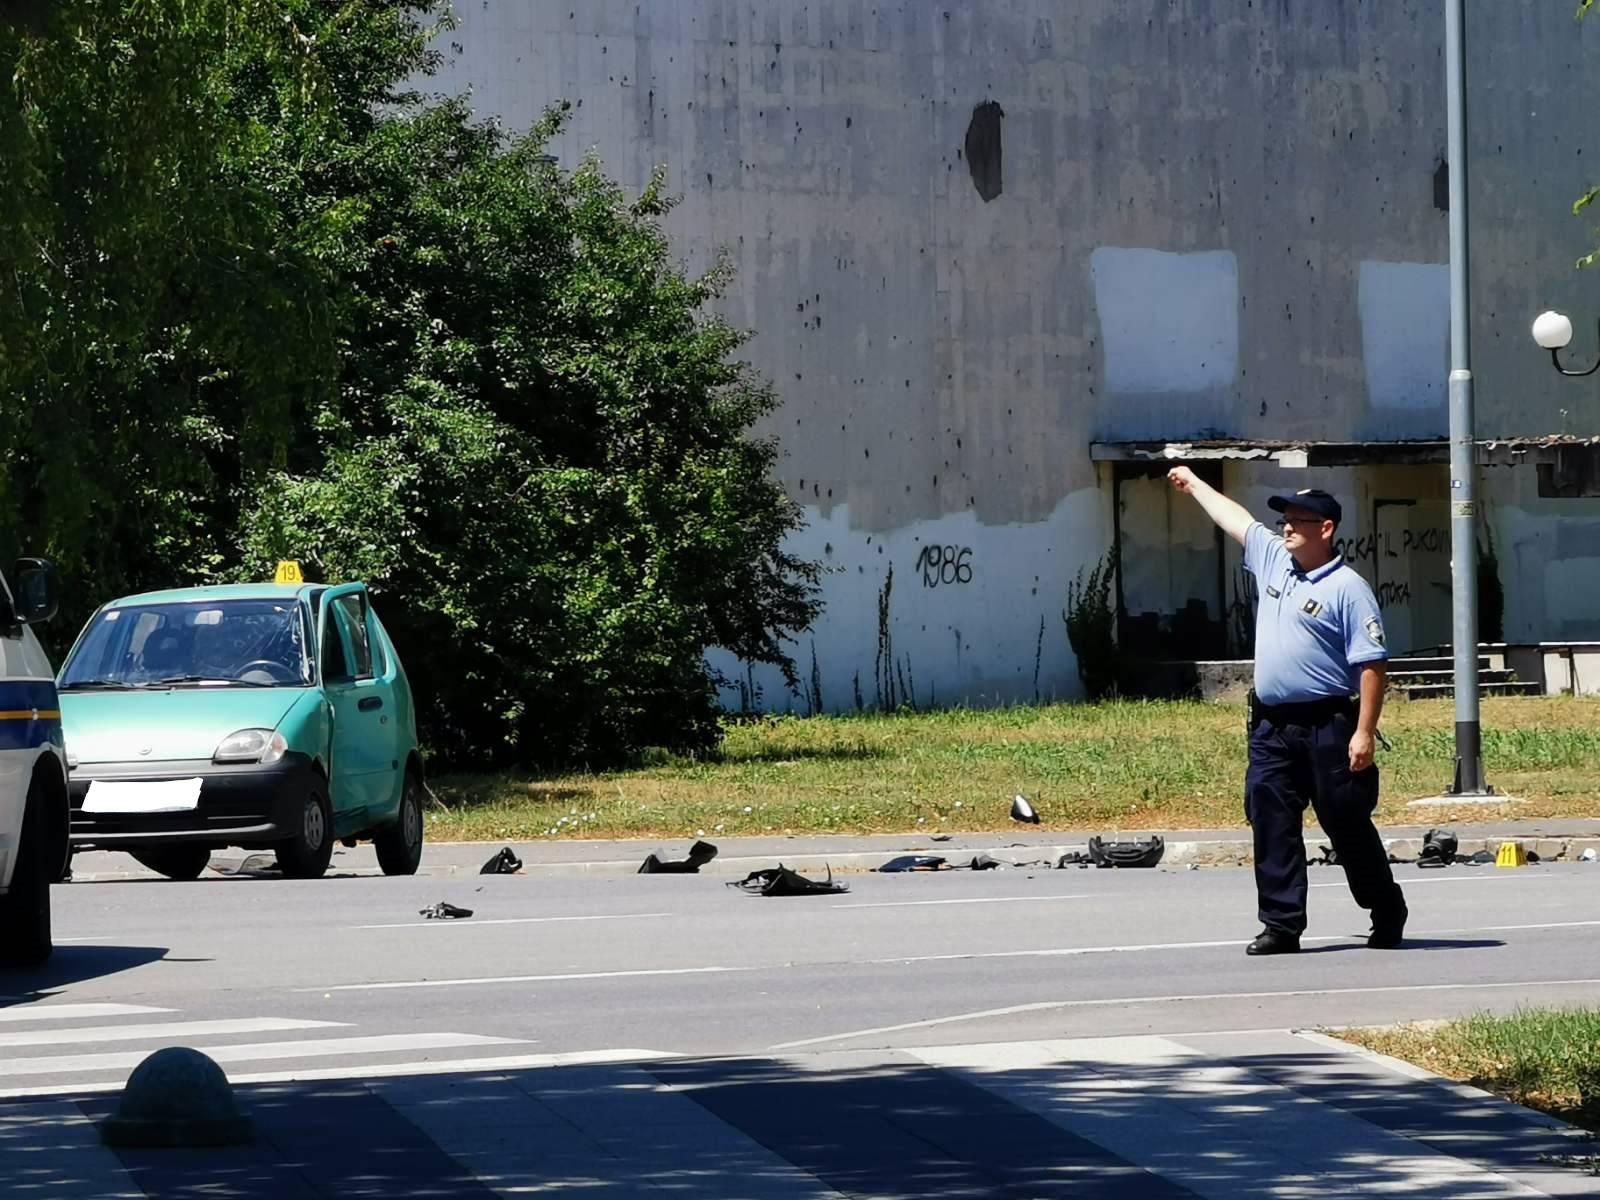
x=1312, y=500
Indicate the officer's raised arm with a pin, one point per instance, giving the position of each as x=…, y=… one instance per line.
x=1232, y=518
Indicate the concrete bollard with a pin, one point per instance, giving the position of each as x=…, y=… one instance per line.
x=177, y=1097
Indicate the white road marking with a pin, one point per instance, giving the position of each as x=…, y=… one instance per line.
x=1409, y=882
x=1116, y=1001
x=1049, y=952
x=967, y=900
x=65, y=1012
x=256, y=1052
x=171, y=1031
x=468, y=923
x=1071, y=951
x=1513, y=928
x=427, y=983
x=457, y=1066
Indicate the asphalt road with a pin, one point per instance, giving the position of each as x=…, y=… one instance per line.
x=278, y=978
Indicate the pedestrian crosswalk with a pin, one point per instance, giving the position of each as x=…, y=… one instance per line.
x=340, y=1109
x=48, y=1047
x=156, y=1029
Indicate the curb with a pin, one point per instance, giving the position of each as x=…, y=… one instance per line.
x=1235, y=852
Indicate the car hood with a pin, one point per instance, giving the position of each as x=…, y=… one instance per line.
x=161, y=724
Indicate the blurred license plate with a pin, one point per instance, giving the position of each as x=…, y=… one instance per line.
x=168, y=796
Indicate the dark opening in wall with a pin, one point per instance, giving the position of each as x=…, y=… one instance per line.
x=983, y=149
x=1574, y=475
x=1441, y=186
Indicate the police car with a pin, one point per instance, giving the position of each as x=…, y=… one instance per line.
x=33, y=768
x=271, y=716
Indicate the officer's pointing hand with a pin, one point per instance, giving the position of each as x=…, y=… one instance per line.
x=1182, y=478
x=1360, y=750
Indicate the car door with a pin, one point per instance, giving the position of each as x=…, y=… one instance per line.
x=16, y=759
x=398, y=727
x=30, y=716
x=358, y=750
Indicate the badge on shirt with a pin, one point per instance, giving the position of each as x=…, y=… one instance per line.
x=1375, y=630
x=1311, y=608
x=1273, y=592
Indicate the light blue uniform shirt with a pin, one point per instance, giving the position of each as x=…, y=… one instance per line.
x=1314, y=629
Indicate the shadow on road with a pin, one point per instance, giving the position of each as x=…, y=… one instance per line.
x=884, y=1125
x=1421, y=943
x=74, y=964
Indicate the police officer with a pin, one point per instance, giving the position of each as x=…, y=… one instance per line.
x=1319, y=638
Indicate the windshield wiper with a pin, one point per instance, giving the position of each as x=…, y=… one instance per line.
x=172, y=679
x=83, y=685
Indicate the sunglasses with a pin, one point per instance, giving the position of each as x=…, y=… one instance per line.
x=1304, y=522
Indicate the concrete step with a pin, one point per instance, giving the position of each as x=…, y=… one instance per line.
x=1421, y=678
x=1494, y=653
x=1431, y=691
x=1430, y=663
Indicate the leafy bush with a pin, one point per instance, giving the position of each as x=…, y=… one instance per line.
x=1091, y=621
x=539, y=452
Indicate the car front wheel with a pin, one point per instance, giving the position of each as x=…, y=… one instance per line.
x=399, y=847
x=306, y=855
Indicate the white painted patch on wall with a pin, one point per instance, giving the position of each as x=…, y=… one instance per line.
x=965, y=612
x=1168, y=322
x=1569, y=590
x=1405, y=333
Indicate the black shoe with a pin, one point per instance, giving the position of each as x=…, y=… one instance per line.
x=1388, y=930
x=1274, y=941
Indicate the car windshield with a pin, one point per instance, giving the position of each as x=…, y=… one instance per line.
x=210, y=643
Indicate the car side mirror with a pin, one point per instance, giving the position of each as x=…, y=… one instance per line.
x=35, y=594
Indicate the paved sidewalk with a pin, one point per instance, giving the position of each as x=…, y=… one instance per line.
x=1553, y=840
x=1269, y=1115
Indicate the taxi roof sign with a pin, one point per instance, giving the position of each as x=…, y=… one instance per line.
x=288, y=572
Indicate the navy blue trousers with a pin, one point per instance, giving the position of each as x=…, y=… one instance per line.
x=1295, y=761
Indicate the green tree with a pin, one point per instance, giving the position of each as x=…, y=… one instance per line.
x=148, y=298
x=363, y=329
x=539, y=451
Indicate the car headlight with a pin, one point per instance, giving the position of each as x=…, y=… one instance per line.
x=251, y=745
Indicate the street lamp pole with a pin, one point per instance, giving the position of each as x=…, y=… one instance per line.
x=1463, y=465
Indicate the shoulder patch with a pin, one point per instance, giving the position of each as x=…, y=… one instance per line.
x=1375, y=630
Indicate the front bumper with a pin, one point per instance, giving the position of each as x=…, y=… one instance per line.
x=243, y=804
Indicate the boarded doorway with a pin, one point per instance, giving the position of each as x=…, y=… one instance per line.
x=1411, y=572
x=1169, y=566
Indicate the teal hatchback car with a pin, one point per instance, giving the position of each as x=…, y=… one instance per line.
x=258, y=715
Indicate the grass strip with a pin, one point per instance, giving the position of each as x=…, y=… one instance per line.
x=1545, y=1059
x=1122, y=765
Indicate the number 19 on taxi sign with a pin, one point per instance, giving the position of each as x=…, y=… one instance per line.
x=288, y=572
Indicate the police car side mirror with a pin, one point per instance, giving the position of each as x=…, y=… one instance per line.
x=34, y=591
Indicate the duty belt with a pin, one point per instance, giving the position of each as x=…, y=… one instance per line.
x=1305, y=712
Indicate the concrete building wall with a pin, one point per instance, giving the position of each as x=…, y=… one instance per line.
x=975, y=238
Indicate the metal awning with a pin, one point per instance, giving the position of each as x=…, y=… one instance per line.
x=1491, y=452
